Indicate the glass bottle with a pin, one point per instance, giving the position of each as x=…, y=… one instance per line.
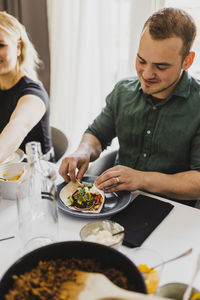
x=37, y=201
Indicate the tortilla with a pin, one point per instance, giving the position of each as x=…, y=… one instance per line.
x=69, y=189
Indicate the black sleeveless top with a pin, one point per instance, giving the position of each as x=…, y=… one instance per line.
x=8, y=101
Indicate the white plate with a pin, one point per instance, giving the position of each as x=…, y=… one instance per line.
x=15, y=157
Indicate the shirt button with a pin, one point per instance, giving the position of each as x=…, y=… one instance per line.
x=145, y=155
x=154, y=107
x=148, y=131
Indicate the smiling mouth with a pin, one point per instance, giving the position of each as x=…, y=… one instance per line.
x=149, y=82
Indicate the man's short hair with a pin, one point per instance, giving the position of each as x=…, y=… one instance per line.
x=170, y=22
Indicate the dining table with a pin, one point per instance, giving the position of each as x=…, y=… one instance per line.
x=179, y=231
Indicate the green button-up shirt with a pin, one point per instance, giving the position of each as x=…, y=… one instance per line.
x=164, y=137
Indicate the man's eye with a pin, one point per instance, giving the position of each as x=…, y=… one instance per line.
x=161, y=68
x=2, y=45
x=142, y=62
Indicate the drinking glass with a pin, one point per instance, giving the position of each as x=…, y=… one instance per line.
x=37, y=217
x=37, y=201
x=145, y=259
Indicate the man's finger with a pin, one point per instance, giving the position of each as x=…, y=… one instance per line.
x=66, y=178
x=81, y=172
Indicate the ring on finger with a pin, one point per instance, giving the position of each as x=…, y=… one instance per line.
x=117, y=179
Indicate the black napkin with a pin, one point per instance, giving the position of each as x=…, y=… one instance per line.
x=140, y=218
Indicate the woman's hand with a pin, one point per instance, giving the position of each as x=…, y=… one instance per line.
x=120, y=178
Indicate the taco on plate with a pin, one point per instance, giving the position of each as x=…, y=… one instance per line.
x=82, y=197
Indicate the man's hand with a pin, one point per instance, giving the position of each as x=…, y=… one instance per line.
x=71, y=163
x=120, y=178
x=183, y=185
x=88, y=150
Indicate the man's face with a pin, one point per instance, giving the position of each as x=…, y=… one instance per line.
x=159, y=64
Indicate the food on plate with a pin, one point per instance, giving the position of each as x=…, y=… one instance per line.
x=82, y=197
x=151, y=278
x=46, y=279
x=14, y=178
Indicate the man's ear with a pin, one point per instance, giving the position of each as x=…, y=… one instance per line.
x=188, y=60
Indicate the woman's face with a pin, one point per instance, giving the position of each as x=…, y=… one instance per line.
x=9, y=51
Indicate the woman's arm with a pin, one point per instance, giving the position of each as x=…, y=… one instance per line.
x=28, y=112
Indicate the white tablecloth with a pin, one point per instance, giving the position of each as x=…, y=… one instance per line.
x=179, y=231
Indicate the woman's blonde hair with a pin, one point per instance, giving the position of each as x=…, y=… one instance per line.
x=28, y=61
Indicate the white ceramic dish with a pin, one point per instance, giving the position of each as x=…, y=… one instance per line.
x=8, y=189
x=101, y=232
x=175, y=290
x=15, y=157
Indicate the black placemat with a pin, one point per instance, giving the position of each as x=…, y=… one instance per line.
x=140, y=218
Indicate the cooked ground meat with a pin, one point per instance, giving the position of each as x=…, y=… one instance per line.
x=45, y=281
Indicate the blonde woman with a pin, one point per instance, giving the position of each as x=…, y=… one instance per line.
x=24, y=113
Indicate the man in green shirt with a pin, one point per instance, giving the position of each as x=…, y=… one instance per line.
x=156, y=117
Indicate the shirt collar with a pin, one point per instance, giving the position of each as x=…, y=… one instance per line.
x=183, y=87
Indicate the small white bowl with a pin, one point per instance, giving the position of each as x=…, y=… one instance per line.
x=8, y=189
x=101, y=232
x=17, y=156
x=174, y=290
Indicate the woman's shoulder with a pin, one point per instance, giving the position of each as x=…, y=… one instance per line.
x=28, y=82
x=28, y=86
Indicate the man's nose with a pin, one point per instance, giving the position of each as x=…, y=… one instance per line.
x=148, y=72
